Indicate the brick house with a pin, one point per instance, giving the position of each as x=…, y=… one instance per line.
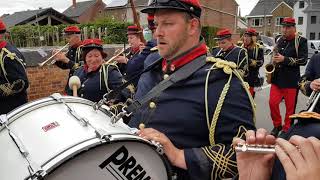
x=85, y=11
x=267, y=15
x=218, y=13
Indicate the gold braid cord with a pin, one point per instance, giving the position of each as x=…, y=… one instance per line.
x=302, y=85
x=306, y=115
x=228, y=68
x=223, y=158
x=8, y=89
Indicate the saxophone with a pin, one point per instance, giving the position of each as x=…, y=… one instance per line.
x=270, y=67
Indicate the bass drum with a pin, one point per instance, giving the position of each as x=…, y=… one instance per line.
x=64, y=138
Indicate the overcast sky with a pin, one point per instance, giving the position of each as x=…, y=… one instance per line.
x=11, y=6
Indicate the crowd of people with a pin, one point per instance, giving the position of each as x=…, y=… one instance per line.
x=197, y=102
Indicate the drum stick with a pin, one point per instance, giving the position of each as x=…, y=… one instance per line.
x=74, y=84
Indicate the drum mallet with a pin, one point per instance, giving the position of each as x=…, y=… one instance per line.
x=74, y=84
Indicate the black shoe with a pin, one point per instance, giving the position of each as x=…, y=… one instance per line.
x=275, y=131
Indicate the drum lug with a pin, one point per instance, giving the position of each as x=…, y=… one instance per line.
x=159, y=147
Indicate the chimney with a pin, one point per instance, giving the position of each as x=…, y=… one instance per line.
x=74, y=3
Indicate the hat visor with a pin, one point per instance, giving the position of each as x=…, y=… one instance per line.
x=288, y=24
x=133, y=32
x=221, y=38
x=152, y=10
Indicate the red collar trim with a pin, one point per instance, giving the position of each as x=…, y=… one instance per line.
x=135, y=50
x=3, y=44
x=230, y=48
x=177, y=63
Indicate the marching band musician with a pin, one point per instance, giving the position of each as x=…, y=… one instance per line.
x=255, y=56
x=72, y=59
x=13, y=76
x=136, y=45
x=292, y=53
x=191, y=118
x=228, y=51
x=136, y=64
x=96, y=77
x=310, y=81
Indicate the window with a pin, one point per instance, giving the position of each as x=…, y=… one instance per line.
x=269, y=21
x=301, y=4
x=300, y=20
x=257, y=22
x=279, y=21
x=312, y=36
x=313, y=19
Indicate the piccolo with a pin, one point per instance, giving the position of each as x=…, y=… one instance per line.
x=262, y=149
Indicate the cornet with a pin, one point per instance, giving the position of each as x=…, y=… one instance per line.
x=115, y=56
x=53, y=61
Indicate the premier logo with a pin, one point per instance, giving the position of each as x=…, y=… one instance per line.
x=120, y=164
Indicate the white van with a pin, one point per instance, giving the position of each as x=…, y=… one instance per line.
x=313, y=47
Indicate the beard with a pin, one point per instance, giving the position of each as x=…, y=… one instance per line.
x=174, y=48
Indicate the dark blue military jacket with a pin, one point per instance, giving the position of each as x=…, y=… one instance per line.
x=236, y=54
x=13, y=79
x=305, y=128
x=184, y=112
x=256, y=59
x=144, y=83
x=95, y=84
x=287, y=73
x=136, y=64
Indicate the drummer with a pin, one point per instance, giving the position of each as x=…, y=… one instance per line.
x=96, y=77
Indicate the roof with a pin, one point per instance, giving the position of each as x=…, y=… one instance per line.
x=122, y=3
x=267, y=6
x=314, y=6
x=81, y=7
x=23, y=17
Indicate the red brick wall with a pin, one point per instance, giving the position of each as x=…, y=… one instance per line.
x=92, y=13
x=220, y=19
x=45, y=81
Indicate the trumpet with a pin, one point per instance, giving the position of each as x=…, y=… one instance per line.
x=53, y=61
x=313, y=100
x=269, y=68
x=115, y=56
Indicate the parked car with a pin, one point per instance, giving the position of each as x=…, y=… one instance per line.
x=267, y=43
x=313, y=47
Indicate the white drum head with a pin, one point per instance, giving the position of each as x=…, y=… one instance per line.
x=119, y=161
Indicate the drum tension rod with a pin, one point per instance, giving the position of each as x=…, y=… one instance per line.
x=101, y=134
x=35, y=170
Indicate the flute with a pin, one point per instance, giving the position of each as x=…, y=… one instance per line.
x=262, y=149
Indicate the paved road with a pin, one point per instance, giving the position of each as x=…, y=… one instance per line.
x=262, y=102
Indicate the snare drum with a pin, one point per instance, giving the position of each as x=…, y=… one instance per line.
x=64, y=138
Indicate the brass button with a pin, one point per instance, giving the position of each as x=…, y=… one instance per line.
x=142, y=126
x=165, y=76
x=152, y=105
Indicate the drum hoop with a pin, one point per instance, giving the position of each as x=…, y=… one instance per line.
x=82, y=147
x=33, y=105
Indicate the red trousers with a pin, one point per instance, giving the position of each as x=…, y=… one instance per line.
x=252, y=92
x=290, y=99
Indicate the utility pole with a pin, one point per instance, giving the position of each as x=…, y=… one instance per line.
x=264, y=17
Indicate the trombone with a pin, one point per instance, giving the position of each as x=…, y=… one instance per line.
x=53, y=61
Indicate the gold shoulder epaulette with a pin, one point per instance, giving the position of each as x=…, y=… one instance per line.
x=154, y=49
x=306, y=115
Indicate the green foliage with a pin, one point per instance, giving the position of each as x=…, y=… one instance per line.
x=209, y=32
x=110, y=31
